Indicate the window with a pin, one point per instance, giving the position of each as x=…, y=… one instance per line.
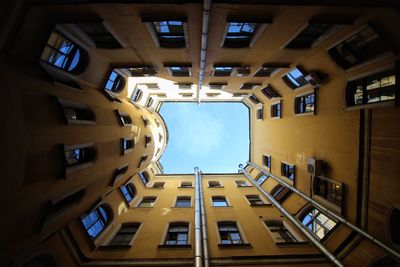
x=76, y=157
x=147, y=140
x=295, y=78
x=115, y=82
x=142, y=71
x=179, y=70
x=229, y=233
x=222, y=71
x=269, y=92
x=255, y=200
x=217, y=86
x=64, y=54
x=219, y=201
x=288, y=171
x=119, y=173
x=242, y=71
x=260, y=113
x=99, y=35
x=137, y=95
x=310, y=34
x=394, y=220
x=158, y=185
x=253, y=98
x=147, y=202
x=178, y=234
x=125, y=235
x=144, y=177
x=249, y=86
x=276, y=110
x=183, y=202
x=97, y=220
x=128, y=192
x=169, y=33
x=280, y=193
x=186, y=185
x=240, y=34
x=76, y=113
x=242, y=183
x=280, y=234
x=124, y=118
x=328, y=189
x=185, y=86
x=260, y=180
x=127, y=145
x=214, y=184
x=305, y=104
x=317, y=222
x=359, y=48
x=376, y=88
x=149, y=102
x=266, y=161
x=268, y=70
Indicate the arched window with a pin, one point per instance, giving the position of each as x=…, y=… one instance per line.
x=317, y=222
x=137, y=95
x=128, y=191
x=64, y=54
x=42, y=260
x=385, y=261
x=97, y=220
x=115, y=82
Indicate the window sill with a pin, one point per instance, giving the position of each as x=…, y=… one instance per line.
x=243, y=245
x=191, y=187
x=245, y=186
x=260, y=205
x=305, y=114
x=175, y=246
x=182, y=207
x=221, y=207
x=215, y=187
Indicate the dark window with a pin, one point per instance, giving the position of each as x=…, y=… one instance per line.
x=305, y=104
x=137, y=95
x=317, y=222
x=241, y=183
x=75, y=112
x=127, y=145
x=142, y=160
x=266, y=161
x=229, y=233
x=254, y=99
x=223, y=70
x=144, y=177
x=78, y=156
x=128, y=191
x=394, y=222
x=214, y=184
x=185, y=86
x=288, y=171
x=119, y=173
x=141, y=71
x=268, y=70
x=280, y=233
x=328, y=189
x=64, y=54
x=97, y=220
x=183, y=202
x=280, y=193
x=149, y=102
x=99, y=35
x=186, y=184
x=376, y=88
x=239, y=34
x=358, y=48
x=295, y=78
x=249, y=86
x=219, y=201
x=179, y=71
x=178, y=234
x=125, y=235
x=385, y=261
x=255, y=200
x=269, y=92
x=125, y=119
x=309, y=35
x=145, y=121
x=147, y=140
x=276, y=110
x=158, y=185
x=147, y=202
x=260, y=113
x=243, y=71
x=170, y=34
x=217, y=86
x=260, y=180
x=114, y=82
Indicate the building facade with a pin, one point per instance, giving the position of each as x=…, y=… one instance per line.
x=82, y=86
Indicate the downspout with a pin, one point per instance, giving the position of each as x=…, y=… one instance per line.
x=295, y=222
x=198, y=257
x=203, y=223
x=204, y=37
x=331, y=213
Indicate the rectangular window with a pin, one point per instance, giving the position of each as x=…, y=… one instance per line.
x=183, y=202
x=328, y=189
x=147, y=202
x=249, y=86
x=127, y=145
x=255, y=200
x=253, y=98
x=151, y=86
x=78, y=157
x=269, y=92
x=222, y=71
x=169, y=33
x=217, y=86
x=242, y=183
x=177, y=235
x=288, y=171
x=240, y=34
x=99, y=34
x=243, y=71
x=260, y=180
x=179, y=70
x=119, y=173
x=142, y=71
x=214, y=184
x=229, y=233
x=125, y=235
x=310, y=34
x=147, y=140
x=266, y=161
x=305, y=104
x=260, y=113
x=185, y=86
x=296, y=78
x=280, y=193
x=269, y=70
x=280, y=234
x=158, y=185
x=219, y=201
x=276, y=110
x=144, y=177
x=124, y=118
x=76, y=113
x=186, y=185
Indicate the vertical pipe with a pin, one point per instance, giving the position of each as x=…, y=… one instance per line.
x=331, y=213
x=198, y=261
x=203, y=223
x=295, y=222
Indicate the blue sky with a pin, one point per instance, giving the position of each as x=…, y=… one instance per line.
x=212, y=136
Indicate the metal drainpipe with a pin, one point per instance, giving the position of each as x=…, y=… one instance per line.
x=203, y=223
x=331, y=213
x=292, y=219
x=198, y=257
x=204, y=37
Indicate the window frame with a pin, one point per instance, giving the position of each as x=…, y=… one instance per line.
x=107, y=225
x=117, y=231
x=191, y=184
x=144, y=176
x=297, y=104
x=116, y=44
x=68, y=169
x=283, y=172
x=301, y=80
x=68, y=104
x=269, y=157
x=338, y=208
x=132, y=192
x=158, y=187
x=149, y=22
x=181, y=73
x=262, y=203
x=258, y=178
x=228, y=205
x=121, y=116
x=300, y=241
x=306, y=211
x=119, y=80
x=262, y=23
x=146, y=198
x=184, y=198
x=220, y=185
x=243, y=240
x=241, y=186
x=127, y=150
x=272, y=110
x=166, y=233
